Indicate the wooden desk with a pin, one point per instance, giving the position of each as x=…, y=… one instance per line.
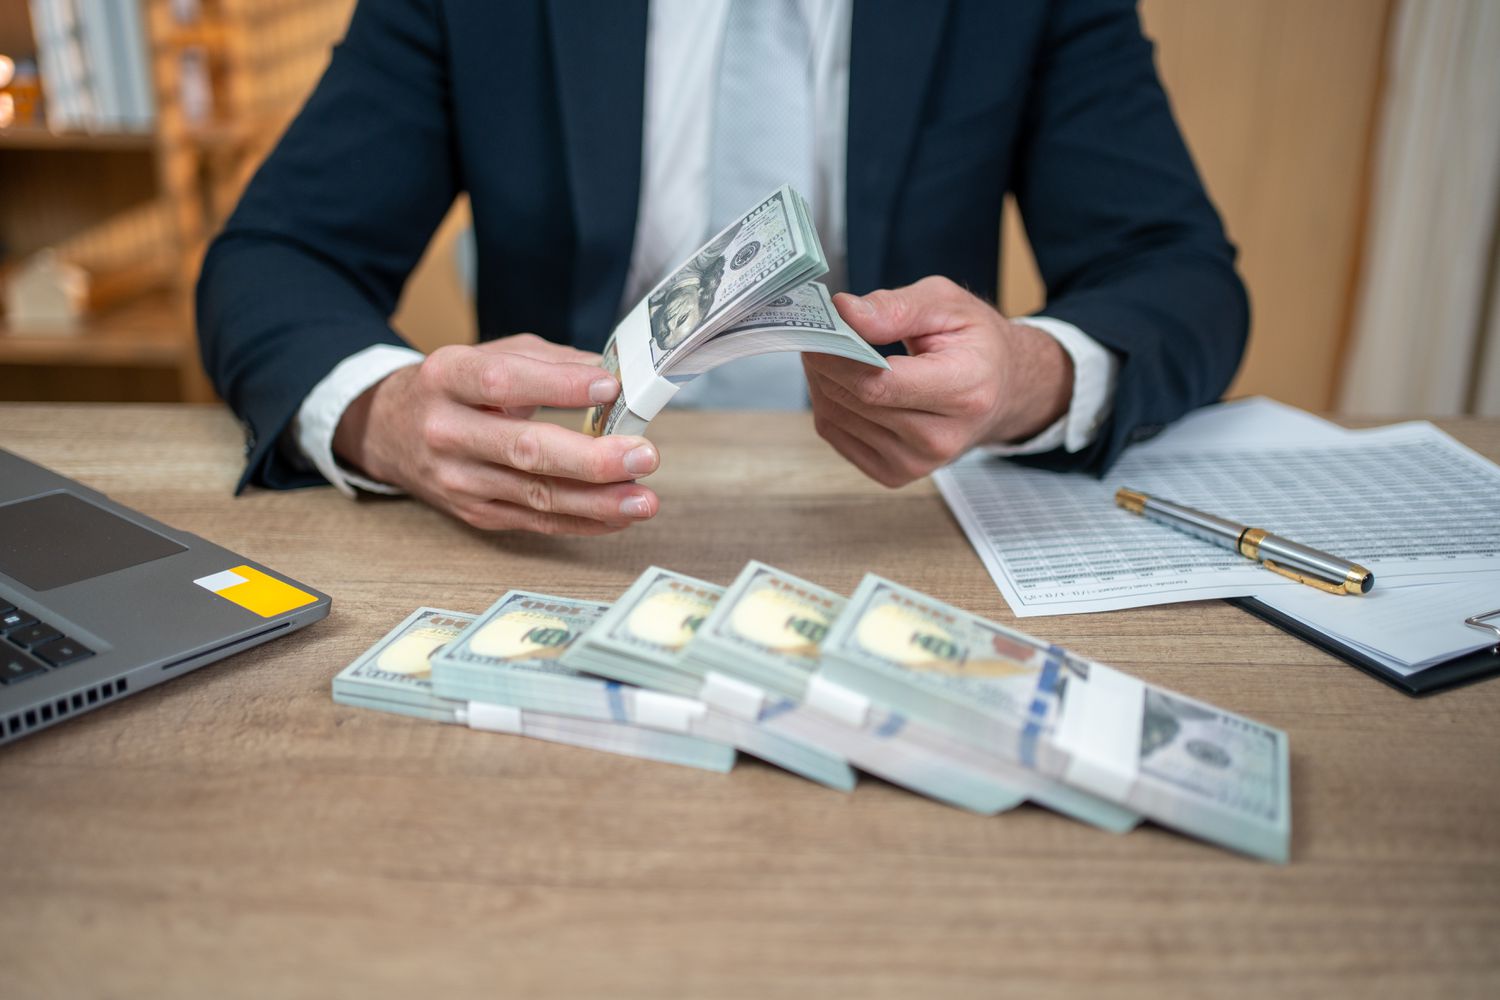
x=236, y=833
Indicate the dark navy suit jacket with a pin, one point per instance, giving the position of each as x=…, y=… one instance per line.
x=534, y=107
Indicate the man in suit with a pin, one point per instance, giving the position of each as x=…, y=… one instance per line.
x=602, y=141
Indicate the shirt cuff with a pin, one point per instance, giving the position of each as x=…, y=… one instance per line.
x=1095, y=370
x=319, y=415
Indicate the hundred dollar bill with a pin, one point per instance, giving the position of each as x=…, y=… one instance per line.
x=803, y=320
x=394, y=675
x=759, y=262
x=768, y=630
x=1184, y=763
x=514, y=656
x=1074, y=721
x=398, y=668
x=639, y=639
x=755, y=652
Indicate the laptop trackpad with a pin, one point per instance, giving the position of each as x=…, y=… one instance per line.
x=57, y=539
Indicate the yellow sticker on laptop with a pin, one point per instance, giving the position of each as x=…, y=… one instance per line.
x=255, y=591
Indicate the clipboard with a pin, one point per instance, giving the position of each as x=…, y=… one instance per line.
x=1442, y=676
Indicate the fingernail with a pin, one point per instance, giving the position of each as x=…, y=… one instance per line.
x=639, y=461
x=635, y=506
x=602, y=390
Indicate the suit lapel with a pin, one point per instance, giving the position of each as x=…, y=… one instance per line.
x=599, y=47
x=892, y=47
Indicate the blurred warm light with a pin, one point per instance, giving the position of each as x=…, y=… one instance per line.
x=7, y=103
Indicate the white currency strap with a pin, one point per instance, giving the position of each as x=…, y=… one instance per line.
x=843, y=704
x=666, y=711
x=1100, y=729
x=646, y=393
x=733, y=696
x=494, y=718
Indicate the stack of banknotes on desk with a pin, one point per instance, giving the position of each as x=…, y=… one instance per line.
x=889, y=681
x=394, y=675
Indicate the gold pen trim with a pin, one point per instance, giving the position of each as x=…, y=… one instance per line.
x=1131, y=500
x=1311, y=581
x=1356, y=581
x=1249, y=543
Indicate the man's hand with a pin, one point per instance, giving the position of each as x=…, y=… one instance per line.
x=456, y=432
x=971, y=377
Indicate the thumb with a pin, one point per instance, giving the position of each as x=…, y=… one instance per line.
x=887, y=315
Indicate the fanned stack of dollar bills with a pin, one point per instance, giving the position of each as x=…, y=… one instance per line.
x=758, y=655
x=1083, y=726
x=522, y=653
x=892, y=681
x=747, y=291
x=394, y=675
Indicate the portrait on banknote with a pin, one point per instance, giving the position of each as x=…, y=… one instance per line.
x=516, y=634
x=679, y=307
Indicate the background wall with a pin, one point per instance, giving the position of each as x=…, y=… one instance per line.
x=1278, y=101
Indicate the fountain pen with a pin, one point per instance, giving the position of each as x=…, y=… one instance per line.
x=1280, y=555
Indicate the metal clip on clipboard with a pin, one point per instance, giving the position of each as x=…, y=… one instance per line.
x=1482, y=622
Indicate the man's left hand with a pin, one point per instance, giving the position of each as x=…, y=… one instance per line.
x=970, y=377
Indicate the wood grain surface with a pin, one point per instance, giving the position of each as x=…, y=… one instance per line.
x=234, y=833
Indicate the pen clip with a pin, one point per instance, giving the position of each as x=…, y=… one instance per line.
x=1311, y=581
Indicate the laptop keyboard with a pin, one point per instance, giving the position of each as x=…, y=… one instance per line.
x=31, y=647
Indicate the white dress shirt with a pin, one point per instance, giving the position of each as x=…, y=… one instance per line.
x=673, y=216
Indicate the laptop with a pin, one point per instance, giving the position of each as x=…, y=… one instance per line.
x=98, y=601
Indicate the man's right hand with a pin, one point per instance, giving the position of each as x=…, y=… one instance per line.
x=456, y=432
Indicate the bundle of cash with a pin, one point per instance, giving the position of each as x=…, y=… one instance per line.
x=1179, y=762
x=927, y=695
x=639, y=641
x=765, y=630
x=758, y=652
x=511, y=655
x=515, y=655
x=394, y=676
x=747, y=291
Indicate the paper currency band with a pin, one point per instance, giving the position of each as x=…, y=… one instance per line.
x=1036, y=712
x=494, y=718
x=667, y=711
x=615, y=698
x=1100, y=729
x=849, y=707
x=732, y=696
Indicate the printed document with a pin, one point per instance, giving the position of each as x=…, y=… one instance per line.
x=1406, y=501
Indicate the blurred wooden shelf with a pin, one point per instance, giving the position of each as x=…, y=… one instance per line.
x=42, y=138
x=148, y=332
x=209, y=135
x=151, y=332
x=225, y=77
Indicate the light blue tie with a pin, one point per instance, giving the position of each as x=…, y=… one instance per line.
x=762, y=138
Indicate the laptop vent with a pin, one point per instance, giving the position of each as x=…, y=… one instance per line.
x=20, y=723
